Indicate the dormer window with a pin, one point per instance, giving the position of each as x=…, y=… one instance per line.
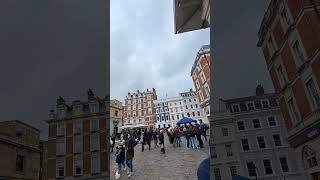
x=93, y=108
x=235, y=108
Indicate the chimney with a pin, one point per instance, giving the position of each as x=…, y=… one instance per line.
x=259, y=90
x=60, y=101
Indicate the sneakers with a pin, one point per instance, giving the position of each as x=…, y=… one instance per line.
x=130, y=174
x=117, y=176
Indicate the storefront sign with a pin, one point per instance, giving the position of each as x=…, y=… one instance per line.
x=307, y=135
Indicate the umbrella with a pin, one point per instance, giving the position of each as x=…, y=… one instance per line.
x=185, y=121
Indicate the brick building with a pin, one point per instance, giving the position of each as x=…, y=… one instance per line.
x=139, y=108
x=20, y=151
x=200, y=74
x=78, y=139
x=289, y=37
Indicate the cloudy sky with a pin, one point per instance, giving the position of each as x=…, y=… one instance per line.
x=238, y=63
x=47, y=49
x=145, y=52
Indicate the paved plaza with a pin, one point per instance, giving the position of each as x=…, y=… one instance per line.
x=178, y=163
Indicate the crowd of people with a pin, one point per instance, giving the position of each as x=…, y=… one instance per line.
x=124, y=152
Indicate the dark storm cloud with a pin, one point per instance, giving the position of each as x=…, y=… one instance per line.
x=238, y=63
x=47, y=49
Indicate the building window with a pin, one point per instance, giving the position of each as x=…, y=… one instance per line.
x=225, y=132
x=228, y=149
x=245, y=144
x=233, y=171
x=95, y=163
x=271, y=45
x=277, y=140
x=284, y=164
x=116, y=113
x=282, y=77
x=60, y=146
x=198, y=113
x=189, y=100
x=217, y=174
x=193, y=114
x=285, y=18
x=178, y=117
x=309, y=156
x=186, y=107
x=313, y=93
x=191, y=106
x=77, y=144
x=235, y=108
x=171, y=109
x=77, y=165
x=250, y=106
x=94, y=142
x=157, y=118
x=77, y=126
x=172, y=117
x=196, y=105
x=251, y=169
x=94, y=124
x=241, y=126
x=294, y=113
x=272, y=121
x=20, y=163
x=265, y=104
x=298, y=55
x=162, y=118
x=256, y=123
x=188, y=114
x=60, y=129
x=157, y=111
x=60, y=168
x=267, y=166
x=213, y=152
x=261, y=142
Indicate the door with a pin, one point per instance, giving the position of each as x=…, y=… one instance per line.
x=315, y=176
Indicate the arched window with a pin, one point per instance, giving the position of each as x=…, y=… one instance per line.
x=309, y=157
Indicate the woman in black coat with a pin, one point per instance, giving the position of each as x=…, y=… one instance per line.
x=131, y=143
x=161, y=141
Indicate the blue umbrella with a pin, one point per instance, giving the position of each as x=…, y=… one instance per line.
x=186, y=120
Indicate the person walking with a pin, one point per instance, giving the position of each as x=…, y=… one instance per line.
x=177, y=134
x=149, y=138
x=187, y=135
x=155, y=138
x=198, y=135
x=113, y=139
x=161, y=141
x=142, y=140
x=204, y=128
x=192, y=137
x=120, y=157
x=131, y=143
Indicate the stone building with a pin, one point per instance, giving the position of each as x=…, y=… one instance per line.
x=256, y=144
x=78, y=139
x=190, y=15
x=289, y=37
x=162, y=113
x=20, y=152
x=139, y=108
x=116, y=116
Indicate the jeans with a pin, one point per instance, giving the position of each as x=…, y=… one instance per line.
x=120, y=166
x=129, y=164
x=193, y=142
x=177, y=140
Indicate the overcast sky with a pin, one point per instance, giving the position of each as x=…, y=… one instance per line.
x=47, y=49
x=145, y=52
x=238, y=63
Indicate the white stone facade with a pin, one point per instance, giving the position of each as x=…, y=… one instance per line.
x=162, y=113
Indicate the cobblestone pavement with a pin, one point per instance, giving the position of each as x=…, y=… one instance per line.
x=177, y=163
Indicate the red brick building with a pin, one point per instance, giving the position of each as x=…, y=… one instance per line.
x=290, y=40
x=139, y=108
x=78, y=139
x=200, y=73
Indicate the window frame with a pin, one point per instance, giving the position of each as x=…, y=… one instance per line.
x=264, y=142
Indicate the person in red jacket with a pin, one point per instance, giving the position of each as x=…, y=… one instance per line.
x=177, y=134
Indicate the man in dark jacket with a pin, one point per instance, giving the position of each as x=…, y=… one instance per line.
x=149, y=138
x=130, y=144
x=161, y=141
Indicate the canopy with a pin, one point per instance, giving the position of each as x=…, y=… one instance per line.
x=186, y=120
